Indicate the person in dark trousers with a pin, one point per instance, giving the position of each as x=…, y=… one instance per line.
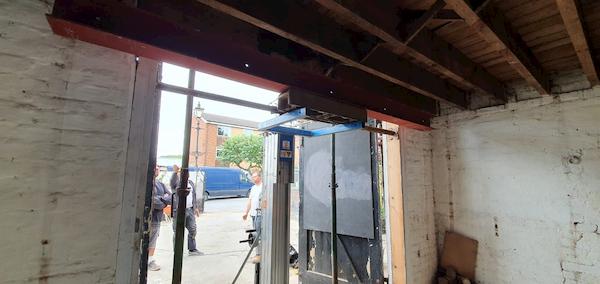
x=191, y=211
x=161, y=197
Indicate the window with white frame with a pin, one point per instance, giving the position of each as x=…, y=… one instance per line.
x=224, y=131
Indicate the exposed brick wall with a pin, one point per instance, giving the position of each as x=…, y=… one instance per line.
x=64, y=118
x=523, y=179
x=202, y=135
x=209, y=142
x=211, y=145
x=417, y=192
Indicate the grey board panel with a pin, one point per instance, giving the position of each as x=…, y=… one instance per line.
x=354, y=178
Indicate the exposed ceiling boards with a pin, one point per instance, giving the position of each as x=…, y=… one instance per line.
x=539, y=26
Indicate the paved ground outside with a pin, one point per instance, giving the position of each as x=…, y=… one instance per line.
x=220, y=228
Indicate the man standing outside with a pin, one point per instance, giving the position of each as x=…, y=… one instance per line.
x=174, y=179
x=253, y=207
x=191, y=211
x=161, y=197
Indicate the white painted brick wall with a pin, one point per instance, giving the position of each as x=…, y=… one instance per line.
x=417, y=192
x=502, y=176
x=64, y=117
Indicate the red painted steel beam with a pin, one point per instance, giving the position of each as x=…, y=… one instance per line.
x=128, y=29
x=74, y=29
x=84, y=33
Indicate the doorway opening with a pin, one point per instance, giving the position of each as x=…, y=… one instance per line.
x=220, y=140
x=225, y=149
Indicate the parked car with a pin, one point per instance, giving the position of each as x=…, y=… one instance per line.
x=222, y=182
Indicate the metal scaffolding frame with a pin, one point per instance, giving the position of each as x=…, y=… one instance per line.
x=278, y=174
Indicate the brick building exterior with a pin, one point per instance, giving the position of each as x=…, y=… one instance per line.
x=213, y=131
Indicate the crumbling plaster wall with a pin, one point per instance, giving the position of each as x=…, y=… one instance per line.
x=64, y=120
x=524, y=180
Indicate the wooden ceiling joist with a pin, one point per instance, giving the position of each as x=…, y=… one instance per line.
x=324, y=35
x=492, y=26
x=426, y=47
x=443, y=14
x=570, y=14
x=415, y=27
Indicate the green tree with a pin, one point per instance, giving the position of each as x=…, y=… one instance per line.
x=244, y=151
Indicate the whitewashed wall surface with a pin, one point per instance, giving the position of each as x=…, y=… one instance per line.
x=524, y=180
x=417, y=194
x=64, y=120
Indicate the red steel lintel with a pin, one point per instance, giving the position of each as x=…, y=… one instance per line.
x=80, y=32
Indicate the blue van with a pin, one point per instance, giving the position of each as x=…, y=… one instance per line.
x=220, y=182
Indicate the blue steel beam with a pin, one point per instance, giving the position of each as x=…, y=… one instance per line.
x=291, y=131
x=283, y=118
x=317, y=132
x=338, y=128
x=274, y=125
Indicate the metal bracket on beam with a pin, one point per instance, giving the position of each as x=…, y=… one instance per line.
x=283, y=118
x=317, y=132
x=274, y=125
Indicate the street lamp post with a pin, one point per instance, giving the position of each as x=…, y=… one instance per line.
x=198, y=112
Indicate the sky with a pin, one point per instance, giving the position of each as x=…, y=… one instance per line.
x=172, y=106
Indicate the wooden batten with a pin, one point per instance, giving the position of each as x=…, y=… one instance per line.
x=394, y=204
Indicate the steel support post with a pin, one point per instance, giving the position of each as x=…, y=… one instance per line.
x=143, y=276
x=333, y=185
x=278, y=174
x=182, y=191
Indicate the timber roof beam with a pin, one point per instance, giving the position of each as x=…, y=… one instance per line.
x=305, y=26
x=425, y=47
x=493, y=27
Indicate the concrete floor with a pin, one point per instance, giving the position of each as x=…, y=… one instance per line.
x=220, y=228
